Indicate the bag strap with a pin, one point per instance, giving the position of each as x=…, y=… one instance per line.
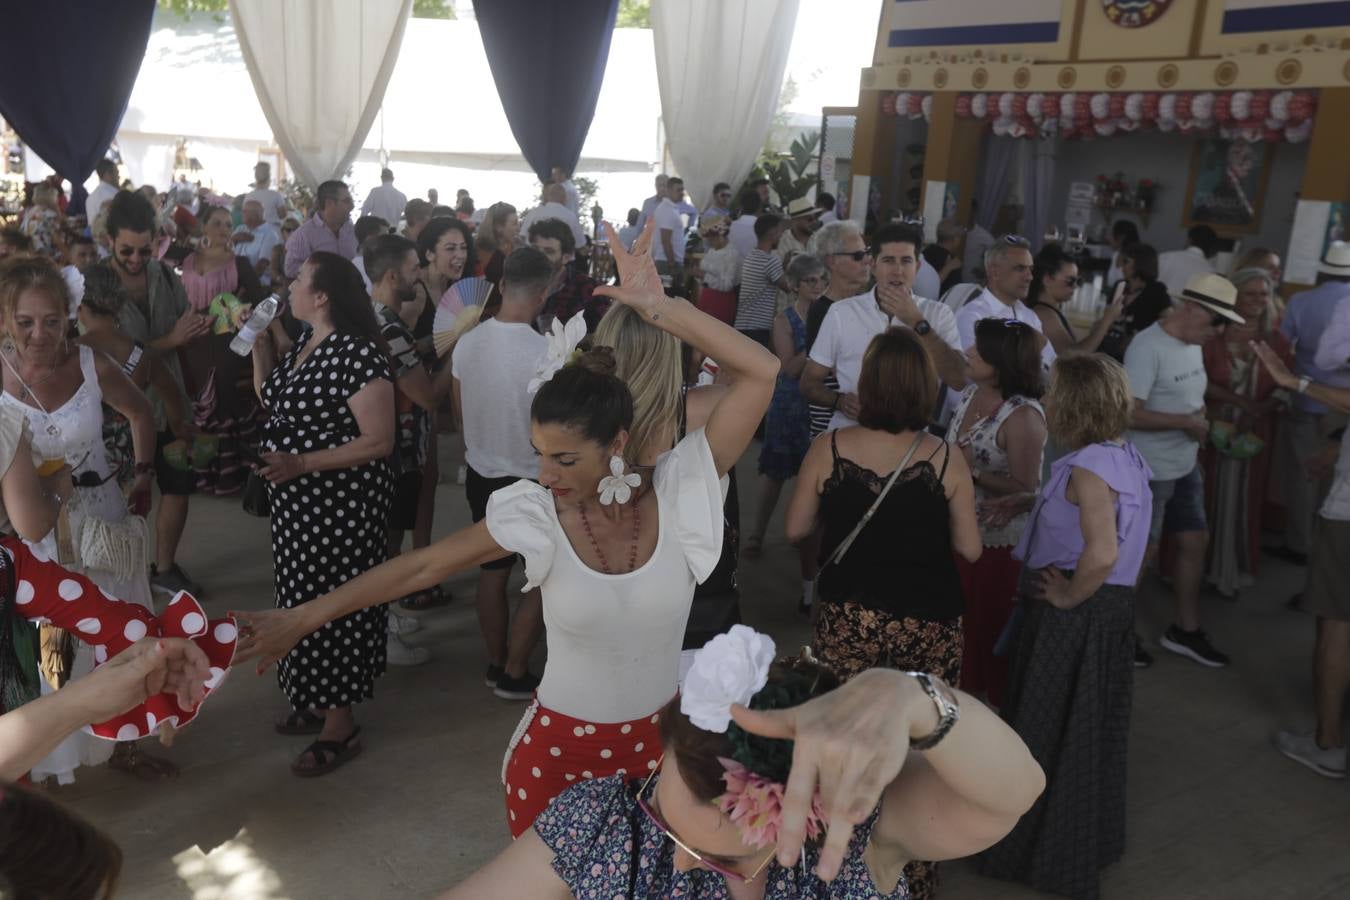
x=847, y=542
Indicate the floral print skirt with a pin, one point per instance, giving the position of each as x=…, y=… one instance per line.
x=851, y=638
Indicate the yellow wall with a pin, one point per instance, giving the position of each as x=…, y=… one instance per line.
x=1169, y=36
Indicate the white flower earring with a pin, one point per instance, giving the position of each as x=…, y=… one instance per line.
x=617, y=485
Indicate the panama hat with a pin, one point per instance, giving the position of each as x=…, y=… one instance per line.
x=1337, y=260
x=802, y=207
x=1215, y=293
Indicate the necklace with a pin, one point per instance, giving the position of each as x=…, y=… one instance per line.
x=28, y=387
x=632, y=551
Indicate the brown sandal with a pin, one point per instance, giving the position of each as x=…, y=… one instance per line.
x=328, y=755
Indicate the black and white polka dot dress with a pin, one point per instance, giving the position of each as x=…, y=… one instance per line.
x=327, y=527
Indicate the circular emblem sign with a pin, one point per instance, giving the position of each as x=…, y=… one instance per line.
x=1134, y=13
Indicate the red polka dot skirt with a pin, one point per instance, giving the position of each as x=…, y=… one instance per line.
x=551, y=751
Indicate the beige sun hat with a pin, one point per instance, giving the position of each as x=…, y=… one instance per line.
x=1215, y=293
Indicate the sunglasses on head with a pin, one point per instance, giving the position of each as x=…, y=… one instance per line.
x=660, y=823
x=129, y=252
x=1016, y=240
x=856, y=255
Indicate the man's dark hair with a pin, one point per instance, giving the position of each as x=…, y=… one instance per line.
x=130, y=211
x=766, y=223
x=556, y=229
x=633, y=215
x=105, y=167
x=674, y=180
x=383, y=253
x=442, y=212
x=1203, y=236
x=386, y=175
x=750, y=203
x=825, y=201
x=464, y=205
x=1125, y=231
x=759, y=181
x=720, y=187
x=1145, y=260
x=328, y=192
x=417, y=210
x=896, y=233
x=367, y=227
x=526, y=270
x=80, y=240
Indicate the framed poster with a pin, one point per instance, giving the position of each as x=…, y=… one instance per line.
x=1227, y=187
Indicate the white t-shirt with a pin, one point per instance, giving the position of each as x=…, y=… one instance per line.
x=1333, y=347
x=987, y=306
x=849, y=327
x=494, y=362
x=273, y=204
x=741, y=234
x=1176, y=267
x=1167, y=376
x=614, y=640
x=552, y=210
x=667, y=216
x=385, y=201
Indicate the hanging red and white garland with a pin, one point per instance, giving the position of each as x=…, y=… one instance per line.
x=1271, y=116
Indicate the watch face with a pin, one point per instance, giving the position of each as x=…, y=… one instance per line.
x=922, y=327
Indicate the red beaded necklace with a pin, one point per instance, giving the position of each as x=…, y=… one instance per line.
x=632, y=551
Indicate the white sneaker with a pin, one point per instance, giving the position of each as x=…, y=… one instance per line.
x=401, y=624
x=1302, y=748
x=398, y=653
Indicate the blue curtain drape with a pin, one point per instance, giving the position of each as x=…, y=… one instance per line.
x=548, y=60
x=67, y=107
x=995, y=178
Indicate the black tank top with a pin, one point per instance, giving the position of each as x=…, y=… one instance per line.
x=901, y=563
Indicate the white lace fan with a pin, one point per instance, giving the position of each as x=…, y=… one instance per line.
x=458, y=311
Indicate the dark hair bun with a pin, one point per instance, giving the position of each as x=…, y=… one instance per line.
x=599, y=361
x=792, y=682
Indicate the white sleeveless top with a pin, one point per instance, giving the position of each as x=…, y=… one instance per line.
x=990, y=457
x=614, y=640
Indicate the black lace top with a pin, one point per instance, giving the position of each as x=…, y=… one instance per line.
x=901, y=563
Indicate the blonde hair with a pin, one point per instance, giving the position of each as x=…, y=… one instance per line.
x=486, y=235
x=1089, y=400
x=45, y=195
x=19, y=274
x=649, y=362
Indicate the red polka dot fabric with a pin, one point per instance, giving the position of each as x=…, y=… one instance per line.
x=46, y=593
x=556, y=751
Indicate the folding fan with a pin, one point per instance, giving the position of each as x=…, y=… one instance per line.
x=458, y=311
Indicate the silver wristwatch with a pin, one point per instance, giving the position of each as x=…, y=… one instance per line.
x=948, y=712
x=1303, y=382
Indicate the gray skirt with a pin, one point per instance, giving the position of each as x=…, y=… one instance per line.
x=1068, y=698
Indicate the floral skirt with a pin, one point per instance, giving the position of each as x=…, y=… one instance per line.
x=551, y=751
x=850, y=639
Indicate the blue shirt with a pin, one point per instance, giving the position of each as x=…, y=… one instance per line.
x=1304, y=323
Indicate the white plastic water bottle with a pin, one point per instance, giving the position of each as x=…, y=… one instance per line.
x=262, y=316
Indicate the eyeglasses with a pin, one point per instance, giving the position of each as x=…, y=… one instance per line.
x=856, y=255
x=129, y=252
x=1219, y=321
x=661, y=824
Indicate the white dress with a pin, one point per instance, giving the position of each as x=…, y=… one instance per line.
x=74, y=432
x=614, y=640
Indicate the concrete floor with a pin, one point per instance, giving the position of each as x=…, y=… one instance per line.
x=1213, y=811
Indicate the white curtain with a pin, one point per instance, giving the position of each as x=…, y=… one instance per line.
x=1038, y=182
x=147, y=159
x=320, y=68
x=720, y=66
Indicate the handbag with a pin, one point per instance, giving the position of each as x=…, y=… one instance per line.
x=255, y=499
x=118, y=548
x=847, y=542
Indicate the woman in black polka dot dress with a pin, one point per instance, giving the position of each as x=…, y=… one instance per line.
x=330, y=404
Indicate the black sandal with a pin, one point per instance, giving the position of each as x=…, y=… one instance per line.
x=328, y=755
x=428, y=599
x=301, y=721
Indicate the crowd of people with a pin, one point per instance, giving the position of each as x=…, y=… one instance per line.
x=979, y=484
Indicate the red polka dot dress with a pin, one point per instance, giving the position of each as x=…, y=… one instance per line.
x=614, y=640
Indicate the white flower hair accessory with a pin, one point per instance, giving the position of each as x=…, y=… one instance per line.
x=562, y=343
x=616, y=485
x=731, y=668
x=75, y=284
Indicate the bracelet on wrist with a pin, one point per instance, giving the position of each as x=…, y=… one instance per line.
x=949, y=712
x=144, y=468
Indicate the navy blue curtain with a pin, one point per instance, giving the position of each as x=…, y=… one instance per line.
x=548, y=60
x=67, y=106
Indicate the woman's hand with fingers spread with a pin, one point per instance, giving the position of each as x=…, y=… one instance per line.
x=268, y=635
x=639, y=284
x=852, y=742
x=1274, y=365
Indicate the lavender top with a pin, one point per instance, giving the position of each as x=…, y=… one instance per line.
x=1055, y=538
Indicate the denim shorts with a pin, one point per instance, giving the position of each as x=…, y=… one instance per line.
x=1178, y=505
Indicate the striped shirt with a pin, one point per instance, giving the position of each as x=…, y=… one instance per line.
x=758, y=303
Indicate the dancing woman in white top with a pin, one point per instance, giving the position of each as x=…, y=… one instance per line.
x=616, y=564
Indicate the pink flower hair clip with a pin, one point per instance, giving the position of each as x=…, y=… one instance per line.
x=755, y=805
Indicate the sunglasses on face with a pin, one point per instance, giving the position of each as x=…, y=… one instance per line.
x=856, y=255
x=129, y=252
x=660, y=823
